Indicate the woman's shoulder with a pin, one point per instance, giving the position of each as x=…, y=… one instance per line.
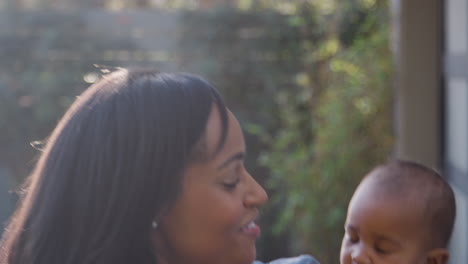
x=302, y=259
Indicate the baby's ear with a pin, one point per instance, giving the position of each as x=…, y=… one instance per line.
x=438, y=256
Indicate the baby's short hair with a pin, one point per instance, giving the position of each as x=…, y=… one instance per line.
x=407, y=178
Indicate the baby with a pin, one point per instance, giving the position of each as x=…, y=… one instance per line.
x=401, y=213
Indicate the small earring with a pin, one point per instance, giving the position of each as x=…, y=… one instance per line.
x=154, y=225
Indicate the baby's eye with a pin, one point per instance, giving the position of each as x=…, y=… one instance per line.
x=382, y=251
x=353, y=238
x=385, y=248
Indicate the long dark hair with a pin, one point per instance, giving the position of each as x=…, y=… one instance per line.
x=113, y=163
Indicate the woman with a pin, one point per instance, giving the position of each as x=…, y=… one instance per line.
x=144, y=167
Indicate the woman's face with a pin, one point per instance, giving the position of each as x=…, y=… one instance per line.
x=213, y=219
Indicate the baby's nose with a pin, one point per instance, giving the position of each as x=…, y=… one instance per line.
x=359, y=255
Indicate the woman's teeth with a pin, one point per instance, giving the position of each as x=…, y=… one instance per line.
x=252, y=229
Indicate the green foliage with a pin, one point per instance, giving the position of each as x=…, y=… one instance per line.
x=333, y=130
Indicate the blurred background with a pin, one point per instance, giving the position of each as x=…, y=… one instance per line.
x=324, y=89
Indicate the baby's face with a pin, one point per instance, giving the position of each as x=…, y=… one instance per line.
x=381, y=229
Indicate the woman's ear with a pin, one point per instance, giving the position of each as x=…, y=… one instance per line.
x=438, y=256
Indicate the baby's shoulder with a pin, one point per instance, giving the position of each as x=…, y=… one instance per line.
x=302, y=259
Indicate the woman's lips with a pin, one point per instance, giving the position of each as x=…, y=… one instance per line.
x=251, y=229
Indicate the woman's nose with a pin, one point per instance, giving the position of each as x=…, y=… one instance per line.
x=256, y=195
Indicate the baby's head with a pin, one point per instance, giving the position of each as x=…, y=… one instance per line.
x=401, y=212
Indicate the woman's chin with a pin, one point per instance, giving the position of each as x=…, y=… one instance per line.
x=249, y=255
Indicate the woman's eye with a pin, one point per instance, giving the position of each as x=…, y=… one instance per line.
x=231, y=185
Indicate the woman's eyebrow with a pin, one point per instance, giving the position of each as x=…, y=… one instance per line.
x=235, y=157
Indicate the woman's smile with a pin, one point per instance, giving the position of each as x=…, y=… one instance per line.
x=251, y=229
